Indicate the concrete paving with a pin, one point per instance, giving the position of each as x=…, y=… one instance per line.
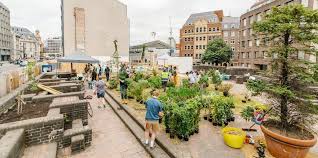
x=111, y=138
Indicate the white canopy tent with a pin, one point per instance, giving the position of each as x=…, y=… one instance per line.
x=183, y=64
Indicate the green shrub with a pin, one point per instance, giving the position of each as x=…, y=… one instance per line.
x=247, y=113
x=222, y=109
x=113, y=84
x=138, y=76
x=171, y=84
x=155, y=81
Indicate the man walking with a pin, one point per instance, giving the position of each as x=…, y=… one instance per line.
x=164, y=78
x=107, y=72
x=100, y=91
x=123, y=75
x=154, y=112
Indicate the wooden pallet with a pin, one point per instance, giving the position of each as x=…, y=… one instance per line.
x=48, y=89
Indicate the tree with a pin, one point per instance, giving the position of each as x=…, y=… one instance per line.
x=143, y=53
x=291, y=30
x=217, y=52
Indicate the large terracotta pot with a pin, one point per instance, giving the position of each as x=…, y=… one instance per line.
x=284, y=147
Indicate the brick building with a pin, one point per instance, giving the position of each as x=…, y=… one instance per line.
x=199, y=29
x=230, y=29
x=253, y=52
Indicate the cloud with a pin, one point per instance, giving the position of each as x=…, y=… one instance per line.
x=146, y=16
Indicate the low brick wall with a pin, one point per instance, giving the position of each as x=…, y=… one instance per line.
x=39, y=130
x=73, y=110
x=68, y=134
x=12, y=144
x=45, y=98
x=68, y=87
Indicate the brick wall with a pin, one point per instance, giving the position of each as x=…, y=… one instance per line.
x=73, y=110
x=51, y=97
x=39, y=130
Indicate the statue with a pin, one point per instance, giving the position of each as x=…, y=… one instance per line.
x=116, y=56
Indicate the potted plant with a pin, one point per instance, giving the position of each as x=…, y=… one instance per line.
x=225, y=88
x=292, y=31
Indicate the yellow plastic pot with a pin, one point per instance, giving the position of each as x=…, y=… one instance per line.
x=233, y=140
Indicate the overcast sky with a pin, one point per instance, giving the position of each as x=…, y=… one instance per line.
x=145, y=16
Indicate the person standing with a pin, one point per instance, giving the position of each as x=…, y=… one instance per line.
x=100, y=92
x=99, y=70
x=164, y=78
x=154, y=112
x=123, y=75
x=192, y=77
x=107, y=72
x=174, y=74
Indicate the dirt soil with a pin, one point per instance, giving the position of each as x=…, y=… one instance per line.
x=292, y=131
x=29, y=111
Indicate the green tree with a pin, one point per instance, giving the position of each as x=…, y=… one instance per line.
x=290, y=29
x=217, y=52
x=143, y=53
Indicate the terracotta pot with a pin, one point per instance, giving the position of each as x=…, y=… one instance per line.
x=284, y=147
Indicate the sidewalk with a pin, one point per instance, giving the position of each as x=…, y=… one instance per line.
x=110, y=137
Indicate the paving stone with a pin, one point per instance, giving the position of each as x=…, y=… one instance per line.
x=41, y=151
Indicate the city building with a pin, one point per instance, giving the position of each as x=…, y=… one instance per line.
x=153, y=50
x=93, y=26
x=252, y=52
x=53, y=47
x=5, y=33
x=230, y=29
x=25, y=44
x=198, y=31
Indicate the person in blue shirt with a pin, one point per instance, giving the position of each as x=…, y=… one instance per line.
x=154, y=112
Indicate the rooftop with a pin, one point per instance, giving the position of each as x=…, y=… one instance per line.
x=212, y=16
x=153, y=44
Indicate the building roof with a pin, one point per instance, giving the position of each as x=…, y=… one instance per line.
x=212, y=16
x=1, y=4
x=260, y=3
x=23, y=32
x=153, y=44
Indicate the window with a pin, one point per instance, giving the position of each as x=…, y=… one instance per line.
x=232, y=41
x=203, y=46
x=210, y=29
x=210, y=38
x=232, y=33
x=200, y=38
x=301, y=55
x=188, y=47
x=204, y=38
x=244, y=22
x=250, y=43
x=204, y=29
x=200, y=29
x=233, y=49
x=244, y=33
x=243, y=55
x=191, y=47
x=257, y=41
x=305, y=3
x=196, y=38
x=185, y=47
x=196, y=47
x=196, y=56
x=200, y=46
x=217, y=29
x=250, y=19
x=225, y=34
x=233, y=26
x=258, y=17
x=243, y=44
x=213, y=29
x=185, y=39
x=185, y=31
x=225, y=41
x=225, y=26
x=251, y=32
x=197, y=29
x=264, y=54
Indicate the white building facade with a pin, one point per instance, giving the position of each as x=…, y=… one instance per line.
x=5, y=33
x=53, y=47
x=93, y=25
x=25, y=43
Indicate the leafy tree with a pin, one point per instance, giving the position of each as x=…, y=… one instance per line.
x=217, y=52
x=290, y=29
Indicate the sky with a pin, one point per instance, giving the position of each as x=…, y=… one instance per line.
x=146, y=16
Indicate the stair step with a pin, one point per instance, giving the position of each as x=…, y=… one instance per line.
x=77, y=143
x=11, y=144
x=78, y=123
x=41, y=151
